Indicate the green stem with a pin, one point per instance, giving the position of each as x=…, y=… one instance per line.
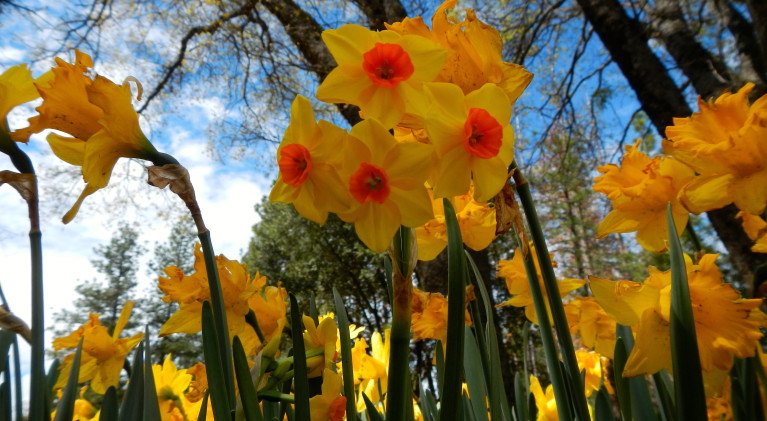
x=550, y=349
x=219, y=314
x=402, y=290
x=274, y=394
x=561, y=327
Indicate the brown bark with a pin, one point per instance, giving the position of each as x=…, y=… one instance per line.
x=706, y=73
x=752, y=57
x=662, y=100
x=758, y=11
x=379, y=12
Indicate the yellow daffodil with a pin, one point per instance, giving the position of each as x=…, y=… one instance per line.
x=474, y=52
x=429, y=315
x=476, y=220
x=513, y=271
x=640, y=190
x=718, y=404
x=17, y=87
x=100, y=117
x=103, y=355
x=545, y=402
x=371, y=371
x=308, y=159
x=726, y=324
x=199, y=383
x=330, y=405
x=724, y=143
x=386, y=182
x=756, y=229
x=596, y=328
x=83, y=410
x=270, y=306
x=593, y=364
x=381, y=72
x=473, y=140
x=170, y=383
x=190, y=292
x=325, y=335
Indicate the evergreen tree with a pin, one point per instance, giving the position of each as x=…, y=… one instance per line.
x=176, y=251
x=118, y=262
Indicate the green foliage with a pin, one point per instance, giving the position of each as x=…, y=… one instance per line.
x=118, y=262
x=305, y=256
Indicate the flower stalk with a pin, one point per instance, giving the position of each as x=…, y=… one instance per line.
x=575, y=385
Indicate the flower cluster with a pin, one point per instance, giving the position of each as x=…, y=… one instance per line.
x=436, y=106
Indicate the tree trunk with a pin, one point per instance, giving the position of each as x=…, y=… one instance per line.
x=752, y=57
x=662, y=100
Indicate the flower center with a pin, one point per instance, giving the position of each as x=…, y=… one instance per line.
x=483, y=134
x=369, y=184
x=295, y=163
x=337, y=409
x=387, y=65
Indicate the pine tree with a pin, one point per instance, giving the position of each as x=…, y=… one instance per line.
x=118, y=262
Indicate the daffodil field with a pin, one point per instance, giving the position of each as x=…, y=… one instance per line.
x=431, y=166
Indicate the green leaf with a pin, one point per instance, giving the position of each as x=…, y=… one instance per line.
x=372, y=412
x=499, y=404
x=300, y=378
x=5, y=399
x=603, y=410
x=53, y=374
x=151, y=405
x=313, y=313
x=248, y=396
x=346, y=356
x=66, y=406
x=428, y=405
x=468, y=415
x=214, y=363
x=6, y=340
x=666, y=401
x=132, y=406
x=439, y=356
x=642, y=407
x=760, y=373
x=520, y=397
x=219, y=318
x=251, y=319
x=560, y=386
x=109, y=405
x=388, y=277
x=622, y=386
x=577, y=395
x=456, y=307
x=37, y=391
x=690, y=397
x=204, y=407
x=475, y=376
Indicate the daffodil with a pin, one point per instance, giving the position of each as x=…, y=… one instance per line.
x=323, y=335
x=190, y=292
x=756, y=229
x=593, y=364
x=308, y=159
x=103, y=355
x=270, y=306
x=513, y=271
x=473, y=140
x=16, y=87
x=724, y=143
x=100, y=117
x=381, y=72
x=386, y=181
x=330, y=405
x=719, y=404
x=170, y=383
x=476, y=220
x=429, y=315
x=596, y=328
x=640, y=189
x=474, y=51
x=371, y=371
x=726, y=324
x=545, y=402
x=83, y=410
x=199, y=383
